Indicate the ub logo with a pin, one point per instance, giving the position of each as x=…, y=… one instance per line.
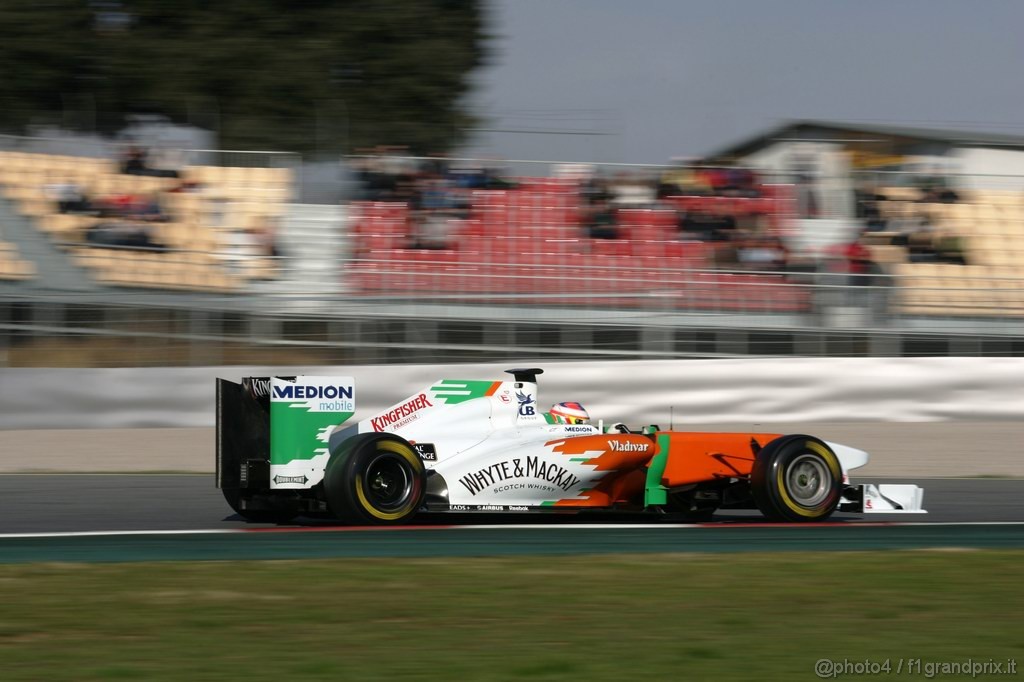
x=526, y=407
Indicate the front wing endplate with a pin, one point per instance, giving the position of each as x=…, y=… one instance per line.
x=883, y=498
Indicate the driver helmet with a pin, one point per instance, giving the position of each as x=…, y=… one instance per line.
x=569, y=413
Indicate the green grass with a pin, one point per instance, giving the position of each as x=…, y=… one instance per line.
x=654, y=617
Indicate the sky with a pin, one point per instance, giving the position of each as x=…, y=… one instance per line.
x=645, y=81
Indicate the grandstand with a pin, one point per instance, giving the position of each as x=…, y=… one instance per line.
x=194, y=246
x=986, y=229
x=529, y=244
x=950, y=206
x=12, y=266
x=519, y=271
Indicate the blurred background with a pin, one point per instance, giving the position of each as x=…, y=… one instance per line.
x=421, y=181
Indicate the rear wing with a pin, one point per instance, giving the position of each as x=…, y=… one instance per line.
x=272, y=432
x=243, y=437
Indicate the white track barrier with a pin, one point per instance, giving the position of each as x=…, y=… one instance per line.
x=636, y=392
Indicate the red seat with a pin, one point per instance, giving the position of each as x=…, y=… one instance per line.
x=379, y=242
x=501, y=247
x=467, y=227
x=609, y=247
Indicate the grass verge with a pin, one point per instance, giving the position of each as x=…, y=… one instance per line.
x=679, y=616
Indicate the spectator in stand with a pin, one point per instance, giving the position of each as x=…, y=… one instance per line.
x=122, y=234
x=186, y=187
x=433, y=193
x=460, y=184
x=866, y=200
x=165, y=163
x=746, y=183
x=806, y=196
x=494, y=178
x=116, y=206
x=69, y=197
x=763, y=252
x=594, y=191
x=699, y=184
x=934, y=189
x=253, y=242
x=436, y=165
x=406, y=190
x=854, y=260
x=238, y=247
x=137, y=207
x=135, y=162
x=362, y=170
x=601, y=223
x=264, y=234
x=154, y=209
x=467, y=178
x=632, y=191
x=733, y=182
x=949, y=248
x=681, y=181
x=918, y=235
x=432, y=229
x=716, y=179
x=700, y=224
x=384, y=175
x=376, y=176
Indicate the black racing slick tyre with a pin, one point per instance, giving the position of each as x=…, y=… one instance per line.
x=374, y=478
x=796, y=478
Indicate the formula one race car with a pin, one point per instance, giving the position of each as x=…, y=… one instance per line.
x=283, y=450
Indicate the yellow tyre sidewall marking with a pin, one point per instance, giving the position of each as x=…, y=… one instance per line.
x=405, y=453
x=833, y=464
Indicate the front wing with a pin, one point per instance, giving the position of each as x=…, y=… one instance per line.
x=883, y=498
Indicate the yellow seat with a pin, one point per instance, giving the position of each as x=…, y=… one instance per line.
x=888, y=254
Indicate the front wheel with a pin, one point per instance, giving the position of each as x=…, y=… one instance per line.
x=796, y=478
x=374, y=478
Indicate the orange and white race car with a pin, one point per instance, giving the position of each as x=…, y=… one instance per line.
x=285, y=448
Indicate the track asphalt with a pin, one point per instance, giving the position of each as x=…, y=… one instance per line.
x=447, y=541
x=161, y=517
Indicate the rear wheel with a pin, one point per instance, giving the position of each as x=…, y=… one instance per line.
x=797, y=478
x=375, y=478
